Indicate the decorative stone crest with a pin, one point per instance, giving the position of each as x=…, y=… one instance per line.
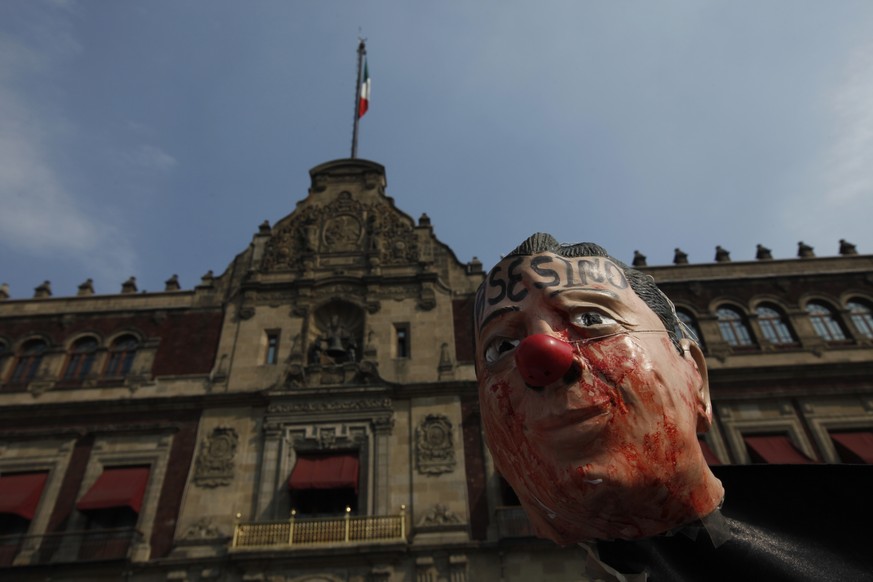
x=434, y=448
x=439, y=515
x=344, y=226
x=214, y=465
x=202, y=529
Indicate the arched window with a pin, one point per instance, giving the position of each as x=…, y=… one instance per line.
x=860, y=313
x=29, y=359
x=733, y=327
x=691, y=325
x=824, y=322
x=774, y=327
x=121, y=355
x=81, y=360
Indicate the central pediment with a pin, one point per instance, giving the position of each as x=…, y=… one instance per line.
x=345, y=221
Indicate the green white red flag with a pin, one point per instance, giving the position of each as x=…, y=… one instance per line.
x=364, y=97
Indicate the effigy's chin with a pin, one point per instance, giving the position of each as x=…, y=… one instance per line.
x=622, y=512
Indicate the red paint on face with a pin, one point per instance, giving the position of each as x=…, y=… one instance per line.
x=611, y=455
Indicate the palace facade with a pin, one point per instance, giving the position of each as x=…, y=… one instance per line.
x=311, y=413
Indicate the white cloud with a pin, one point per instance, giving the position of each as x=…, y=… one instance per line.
x=40, y=215
x=848, y=175
x=151, y=157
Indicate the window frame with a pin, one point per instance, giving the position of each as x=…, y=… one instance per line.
x=775, y=326
x=402, y=347
x=121, y=356
x=826, y=323
x=862, y=319
x=738, y=326
x=80, y=359
x=271, y=348
x=28, y=361
x=692, y=323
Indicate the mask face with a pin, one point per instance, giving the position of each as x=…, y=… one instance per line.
x=595, y=432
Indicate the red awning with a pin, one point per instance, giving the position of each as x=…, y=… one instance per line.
x=859, y=443
x=325, y=472
x=708, y=454
x=116, y=487
x=20, y=493
x=776, y=449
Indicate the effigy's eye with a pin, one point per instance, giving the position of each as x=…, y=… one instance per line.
x=592, y=319
x=498, y=348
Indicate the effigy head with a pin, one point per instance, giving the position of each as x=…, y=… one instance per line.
x=591, y=395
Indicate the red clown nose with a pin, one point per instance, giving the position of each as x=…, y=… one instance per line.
x=541, y=359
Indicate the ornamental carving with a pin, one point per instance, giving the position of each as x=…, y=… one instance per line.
x=214, y=465
x=344, y=226
x=331, y=405
x=434, y=448
x=342, y=233
x=439, y=515
x=202, y=529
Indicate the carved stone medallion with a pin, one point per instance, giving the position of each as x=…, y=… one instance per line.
x=214, y=465
x=434, y=448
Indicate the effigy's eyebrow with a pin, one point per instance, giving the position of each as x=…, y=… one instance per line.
x=591, y=290
x=498, y=313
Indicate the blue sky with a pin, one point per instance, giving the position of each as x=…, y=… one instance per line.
x=150, y=138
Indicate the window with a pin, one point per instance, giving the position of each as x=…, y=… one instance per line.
x=272, y=355
x=121, y=355
x=774, y=326
x=508, y=497
x=324, y=484
x=29, y=360
x=733, y=327
x=774, y=449
x=691, y=325
x=401, y=340
x=861, y=316
x=824, y=322
x=112, y=506
x=19, y=496
x=854, y=447
x=708, y=454
x=81, y=360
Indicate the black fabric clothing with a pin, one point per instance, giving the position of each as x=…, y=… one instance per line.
x=787, y=522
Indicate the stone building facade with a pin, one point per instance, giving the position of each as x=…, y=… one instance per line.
x=311, y=413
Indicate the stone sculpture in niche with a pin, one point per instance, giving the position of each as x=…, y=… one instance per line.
x=214, y=466
x=434, y=448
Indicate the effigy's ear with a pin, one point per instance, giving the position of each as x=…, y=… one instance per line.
x=694, y=356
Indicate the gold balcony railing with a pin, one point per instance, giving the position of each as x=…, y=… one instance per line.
x=307, y=532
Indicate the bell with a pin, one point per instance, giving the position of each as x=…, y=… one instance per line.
x=335, y=347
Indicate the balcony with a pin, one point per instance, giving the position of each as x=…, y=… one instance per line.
x=306, y=533
x=68, y=546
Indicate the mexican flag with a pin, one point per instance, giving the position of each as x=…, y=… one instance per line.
x=364, y=97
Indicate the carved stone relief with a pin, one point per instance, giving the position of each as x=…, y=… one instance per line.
x=439, y=515
x=214, y=466
x=331, y=405
x=346, y=225
x=202, y=529
x=434, y=447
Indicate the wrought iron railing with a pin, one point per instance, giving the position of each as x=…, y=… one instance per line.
x=307, y=532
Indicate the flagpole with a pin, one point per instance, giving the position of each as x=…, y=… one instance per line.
x=362, y=50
